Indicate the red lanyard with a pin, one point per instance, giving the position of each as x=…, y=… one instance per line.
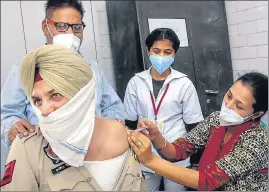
x=159, y=105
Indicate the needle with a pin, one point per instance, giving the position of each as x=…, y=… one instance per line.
x=140, y=129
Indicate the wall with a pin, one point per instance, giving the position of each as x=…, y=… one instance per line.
x=12, y=40
x=103, y=46
x=248, y=31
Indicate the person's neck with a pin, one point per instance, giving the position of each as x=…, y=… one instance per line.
x=159, y=77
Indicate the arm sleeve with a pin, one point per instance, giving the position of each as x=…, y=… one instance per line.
x=18, y=175
x=192, y=112
x=196, y=139
x=130, y=101
x=111, y=105
x=13, y=103
x=250, y=154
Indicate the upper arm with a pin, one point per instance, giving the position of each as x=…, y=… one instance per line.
x=249, y=154
x=200, y=134
x=130, y=100
x=192, y=112
x=117, y=142
x=196, y=139
x=13, y=102
x=13, y=98
x=19, y=175
x=111, y=105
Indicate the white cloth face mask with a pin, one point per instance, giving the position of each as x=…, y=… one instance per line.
x=70, y=40
x=229, y=117
x=69, y=129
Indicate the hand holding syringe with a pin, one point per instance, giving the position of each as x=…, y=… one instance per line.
x=142, y=130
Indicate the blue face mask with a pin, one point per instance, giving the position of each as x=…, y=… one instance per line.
x=161, y=63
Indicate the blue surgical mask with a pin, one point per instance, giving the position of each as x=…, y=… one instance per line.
x=161, y=63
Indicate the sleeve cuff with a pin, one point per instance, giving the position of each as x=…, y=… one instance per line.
x=211, y=178
x=179, y=151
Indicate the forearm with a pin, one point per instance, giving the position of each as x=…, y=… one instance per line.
x=168, y=152
x=176, y=173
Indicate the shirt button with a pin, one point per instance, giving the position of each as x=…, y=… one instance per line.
x=89, y=179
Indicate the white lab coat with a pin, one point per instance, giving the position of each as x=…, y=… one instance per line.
x=180, y=104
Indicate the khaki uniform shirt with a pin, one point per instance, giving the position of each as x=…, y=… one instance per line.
x=32, y=166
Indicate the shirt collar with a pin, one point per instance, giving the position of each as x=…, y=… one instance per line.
x=173, y=75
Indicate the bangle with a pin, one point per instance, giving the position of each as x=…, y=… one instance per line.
x=165, y=143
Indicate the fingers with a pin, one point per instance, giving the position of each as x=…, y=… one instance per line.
x=150, y=125
x=136, y=141
x=140, y=136
x=145, y=132
x=11, y=137
x=129, y=132
x=133, y=146
x=141, y=123
x=21, y=127
x=28, y=126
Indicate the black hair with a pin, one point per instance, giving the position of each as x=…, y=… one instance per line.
x=51, y=5
x=162, y=34
x=259, y=86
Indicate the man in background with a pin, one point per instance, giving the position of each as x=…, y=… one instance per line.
x=63, y=25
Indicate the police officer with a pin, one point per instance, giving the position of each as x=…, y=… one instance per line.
x=72, y=149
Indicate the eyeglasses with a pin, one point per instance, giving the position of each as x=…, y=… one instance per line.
x=63, y=27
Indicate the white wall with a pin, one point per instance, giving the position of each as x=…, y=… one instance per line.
x=12, y=37
x=248, y=31
x=103, y=46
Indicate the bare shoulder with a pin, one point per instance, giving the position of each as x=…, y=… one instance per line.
x=112, y=127
x=115, y=134
x=118, y=129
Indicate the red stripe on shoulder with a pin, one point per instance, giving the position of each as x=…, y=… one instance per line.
x=9, y=170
